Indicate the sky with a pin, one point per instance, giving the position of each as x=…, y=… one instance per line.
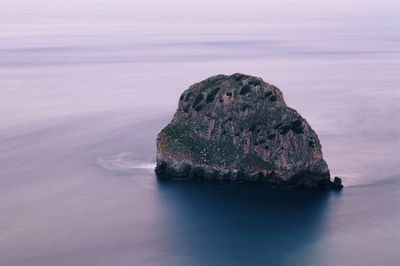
x=233, y=9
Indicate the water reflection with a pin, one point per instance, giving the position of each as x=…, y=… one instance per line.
x=234, y=224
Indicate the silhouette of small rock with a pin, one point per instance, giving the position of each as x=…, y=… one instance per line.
x=337, y=182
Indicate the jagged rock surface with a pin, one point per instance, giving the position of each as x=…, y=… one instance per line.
x=239, y=128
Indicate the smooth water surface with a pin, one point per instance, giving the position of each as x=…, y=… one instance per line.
x=85, y=86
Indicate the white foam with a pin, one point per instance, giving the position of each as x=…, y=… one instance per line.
x=125, y=162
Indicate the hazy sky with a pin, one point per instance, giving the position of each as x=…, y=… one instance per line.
x=237, y=9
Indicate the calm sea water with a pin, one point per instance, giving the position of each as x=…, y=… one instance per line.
x=85, y=86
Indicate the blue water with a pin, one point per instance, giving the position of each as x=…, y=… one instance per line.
x=85, y=86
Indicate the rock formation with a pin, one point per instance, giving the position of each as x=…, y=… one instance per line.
x=239, y=128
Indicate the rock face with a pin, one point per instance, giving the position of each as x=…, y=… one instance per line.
x=239, y=128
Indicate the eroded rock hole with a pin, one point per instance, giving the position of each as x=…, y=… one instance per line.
x=245, y=90
x=297, y=126
x=211, y=96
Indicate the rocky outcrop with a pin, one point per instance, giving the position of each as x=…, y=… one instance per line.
x=239, y=128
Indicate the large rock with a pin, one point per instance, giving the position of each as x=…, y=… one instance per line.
x=239, y=128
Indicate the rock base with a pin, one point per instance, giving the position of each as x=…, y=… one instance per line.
x=188, y=171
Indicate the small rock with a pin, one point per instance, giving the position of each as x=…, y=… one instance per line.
x=337, y=182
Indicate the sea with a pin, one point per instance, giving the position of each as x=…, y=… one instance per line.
x=85, y=86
